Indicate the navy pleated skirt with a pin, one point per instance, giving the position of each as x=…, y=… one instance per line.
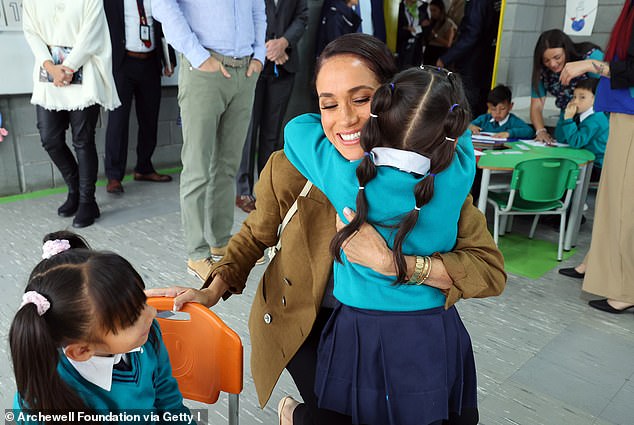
x=395, y=368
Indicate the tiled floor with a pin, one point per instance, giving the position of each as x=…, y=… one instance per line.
x=544, y=357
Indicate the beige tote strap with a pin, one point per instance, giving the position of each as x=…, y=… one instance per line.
x=289, y=214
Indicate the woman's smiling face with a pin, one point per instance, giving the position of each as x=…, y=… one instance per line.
x=345, y=86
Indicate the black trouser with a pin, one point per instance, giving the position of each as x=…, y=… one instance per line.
x=302, y=369
x=81, y=174
x=141, y=79
x=269, y=107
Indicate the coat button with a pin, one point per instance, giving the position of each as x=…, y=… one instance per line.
x=284, y=301
x=267, y=318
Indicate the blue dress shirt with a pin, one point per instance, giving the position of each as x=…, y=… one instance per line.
x=230, y=27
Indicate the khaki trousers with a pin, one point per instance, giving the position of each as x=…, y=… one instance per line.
x=610, y=267
x=215, y=115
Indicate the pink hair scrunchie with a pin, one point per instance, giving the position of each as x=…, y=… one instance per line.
x=54, y=247
x=39, y=300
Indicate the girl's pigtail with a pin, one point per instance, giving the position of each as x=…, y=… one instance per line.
x=366, y=171
x=35, y=356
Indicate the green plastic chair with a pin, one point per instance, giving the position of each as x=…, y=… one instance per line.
x=537, y=186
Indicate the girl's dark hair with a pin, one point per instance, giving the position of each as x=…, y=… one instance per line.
x=75, y=240
x=417, y=112
x=621, y=34
x=372, y=51
x=553, y=39
x=90, y=293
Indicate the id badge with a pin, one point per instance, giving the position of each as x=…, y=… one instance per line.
x=144, y=32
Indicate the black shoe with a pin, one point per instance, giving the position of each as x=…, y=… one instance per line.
x=69, y=208
x=86, y=214
x=571, y=272
x=604, y=306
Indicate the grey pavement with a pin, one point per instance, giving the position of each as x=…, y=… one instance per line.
x=543, y=356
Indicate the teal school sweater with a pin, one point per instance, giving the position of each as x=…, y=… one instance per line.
x=590, y=134
x=516, y=127
x=390, y=195
x=147, y=388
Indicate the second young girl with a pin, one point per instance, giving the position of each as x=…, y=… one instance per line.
x=84, y=339
x=391, y=353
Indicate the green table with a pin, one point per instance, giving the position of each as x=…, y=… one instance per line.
x=506, y=160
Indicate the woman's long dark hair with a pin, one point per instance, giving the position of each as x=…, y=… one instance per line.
x=621, y=34
x=372, y=51
x=90, y=293
x=416, y=112
x=553, y=39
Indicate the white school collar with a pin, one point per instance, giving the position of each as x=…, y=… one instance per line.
x=408, y=161
x=98, y=369
x=504, y=121
x=586, y=114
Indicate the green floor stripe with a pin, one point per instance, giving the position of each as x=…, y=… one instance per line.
x=56, y=190
x=530, y=258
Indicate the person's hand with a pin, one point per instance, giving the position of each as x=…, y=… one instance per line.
x=366, y=247
x=474, y=129
x=571, y=110
x=502, y=135
x=574, y=69
x=276, y=49
x=212, y=64
x=62, y=75
x=440, y=63
x=543, y=136
x=282, y=59
x=254, y=66
x=168, y=71
x=208, y=296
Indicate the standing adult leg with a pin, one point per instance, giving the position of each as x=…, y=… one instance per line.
x=232, y=132
x=278, y=94
x=52, y=126
x=246, y=171
x=202, y=102
x=83, y=124
x=147, y=95
x=118, y=125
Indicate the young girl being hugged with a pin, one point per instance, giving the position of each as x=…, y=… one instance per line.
x=391, y=353
x=84, y=339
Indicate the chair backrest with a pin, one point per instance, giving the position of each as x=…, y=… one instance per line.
x=544, y=180
x=205, y=354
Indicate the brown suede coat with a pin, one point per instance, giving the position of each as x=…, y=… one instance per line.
x=289, y=295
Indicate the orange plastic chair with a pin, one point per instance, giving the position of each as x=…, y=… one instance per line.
x=205, y=354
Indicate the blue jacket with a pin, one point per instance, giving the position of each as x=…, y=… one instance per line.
x=390, y=195
x=516, y=127
x=590, y=134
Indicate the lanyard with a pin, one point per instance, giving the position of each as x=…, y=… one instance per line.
x=142, y=17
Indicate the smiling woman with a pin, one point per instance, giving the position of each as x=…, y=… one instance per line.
x=294, y=299
x=553, y=50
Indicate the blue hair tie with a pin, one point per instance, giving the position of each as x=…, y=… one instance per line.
x=392, y=87
x=432, y=174
x=367, y=154
x=453, y=107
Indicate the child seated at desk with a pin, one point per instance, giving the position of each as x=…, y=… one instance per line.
x=582, y=128
x=500, y=120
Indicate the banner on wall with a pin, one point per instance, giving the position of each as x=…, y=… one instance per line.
x=580, y=16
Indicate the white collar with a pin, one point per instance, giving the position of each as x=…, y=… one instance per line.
x=98, y=369
x=408, y=161
x=504, y=121
x=586, y=114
